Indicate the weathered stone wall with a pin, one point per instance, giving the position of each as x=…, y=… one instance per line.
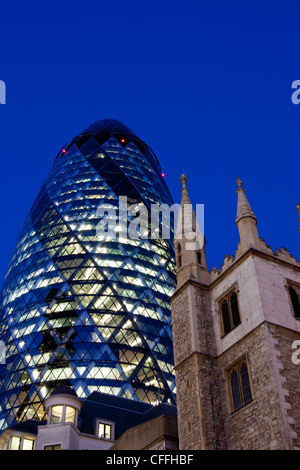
x=189, y=407
x=203, y=354
x=200, y=416
x=199, y=410
x=160, y=433
x=164, y=444
x=288, y=380
x=187, y=386
x=267, y=422
x=182, y=341
x=243, y=279
x=272, y=279
x=259, y=424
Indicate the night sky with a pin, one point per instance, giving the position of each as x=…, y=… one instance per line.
x=206, y=84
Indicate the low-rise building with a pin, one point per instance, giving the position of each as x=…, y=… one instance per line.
x=100, y=422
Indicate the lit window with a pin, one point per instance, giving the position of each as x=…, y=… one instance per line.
x=56, y=414
x=239, y=385
x=104, y=431
x=54, y=447
x=70, y=415
x=14, y=443
x=27, y=444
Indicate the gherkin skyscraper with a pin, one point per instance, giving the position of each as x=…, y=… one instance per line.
x=83, y=311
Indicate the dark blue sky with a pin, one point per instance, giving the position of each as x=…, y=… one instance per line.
x=206, y=84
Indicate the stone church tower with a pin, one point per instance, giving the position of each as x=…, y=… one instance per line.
x=236, y=335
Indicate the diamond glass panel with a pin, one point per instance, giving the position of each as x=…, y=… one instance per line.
x=78, y=310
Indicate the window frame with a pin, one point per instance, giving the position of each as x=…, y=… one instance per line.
x=296, y=287
x=53, y=445
x=236, y=366
x=178, y=256
x=106, y=423
x=63, y=416
x=227, y=296
x=11, y=439
x=27, y=439
x=22, y=438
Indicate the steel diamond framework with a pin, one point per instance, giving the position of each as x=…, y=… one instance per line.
x=76, y=311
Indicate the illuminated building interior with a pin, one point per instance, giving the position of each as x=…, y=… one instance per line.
x=75, y=310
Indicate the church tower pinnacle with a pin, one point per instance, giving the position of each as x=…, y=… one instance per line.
x=246, y=221
x=199, y=422
x=189, y=242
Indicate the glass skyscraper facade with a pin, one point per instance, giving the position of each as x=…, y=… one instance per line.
x=82, y=310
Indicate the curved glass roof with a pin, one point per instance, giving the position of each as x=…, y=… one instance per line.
x=114, y=127
x=111, y=125
x=79, y=310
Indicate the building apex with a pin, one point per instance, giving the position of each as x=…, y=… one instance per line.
x=243, y=206
x=239, y=183
x=185, y=199
x=183, y=180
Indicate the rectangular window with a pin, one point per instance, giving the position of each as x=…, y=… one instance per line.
x=28, y=444
x=14, y=443
x=104, y=431
x=53, y=447
x=239, y=384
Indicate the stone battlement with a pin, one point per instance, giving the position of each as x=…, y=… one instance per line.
x=281, y=254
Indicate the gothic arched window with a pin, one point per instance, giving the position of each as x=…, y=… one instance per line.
x=230, y=312
x=226, y=317
x=234, y=309
x=240, y=386
x=295, y=301
x=179, y=256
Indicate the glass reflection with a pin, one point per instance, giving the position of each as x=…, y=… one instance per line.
x=56, y=414
x=70, y=415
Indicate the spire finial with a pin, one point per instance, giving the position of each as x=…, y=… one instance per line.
x=243, y=206
x=239, y=183
x=183, y=180
x=246, y=221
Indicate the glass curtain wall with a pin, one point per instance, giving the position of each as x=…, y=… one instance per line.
x=82, y=310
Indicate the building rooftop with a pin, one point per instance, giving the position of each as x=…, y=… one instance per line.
x=125, y=413
x=30, y=426
x=109, y=125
